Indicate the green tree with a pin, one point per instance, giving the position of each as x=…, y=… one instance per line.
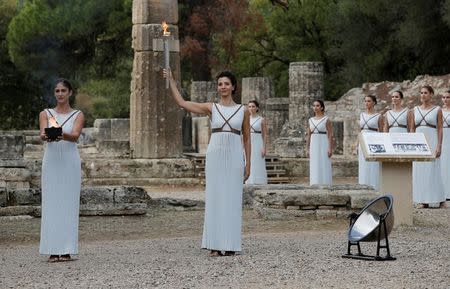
x=84, y=40
x=19, y=100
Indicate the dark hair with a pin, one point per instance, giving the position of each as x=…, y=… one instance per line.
x=64, y=82
x=448, y=91
x=322, y=105
x=400, y=93
x=256, y=104
x=373, y=97
x=429, y=88
x=231, y=77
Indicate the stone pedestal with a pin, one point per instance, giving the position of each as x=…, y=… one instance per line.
x=155, y=119
x=305, y=85
x=259, y=89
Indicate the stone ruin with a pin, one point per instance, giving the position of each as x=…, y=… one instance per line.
x=147, y=149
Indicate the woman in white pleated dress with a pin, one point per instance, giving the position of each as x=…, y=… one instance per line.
x=258, y=133
x=369, y=122
x=427, y=179
x=445, y=154
x=319, y=141
x=397, y=118
x=225, y=169
x=61, y=177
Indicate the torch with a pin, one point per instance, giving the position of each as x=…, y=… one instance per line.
x=166, y=35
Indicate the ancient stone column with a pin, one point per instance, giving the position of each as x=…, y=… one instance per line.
x=305, y=85
x=257, y=88
x=204, y=91
x=277, y=114
x=155, y=119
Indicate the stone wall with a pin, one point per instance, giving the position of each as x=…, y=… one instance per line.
x=112, y=136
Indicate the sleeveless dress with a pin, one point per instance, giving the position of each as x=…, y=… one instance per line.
x=427, y=180
x=61, y=184
x=368, y=172
x=258, y=173
x=397, y=120
x=445, y=153
x=224, y=173
x=319, y=162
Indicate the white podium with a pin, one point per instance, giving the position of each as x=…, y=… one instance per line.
x=396, y=152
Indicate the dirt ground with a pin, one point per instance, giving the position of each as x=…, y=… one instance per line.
x=162, y=250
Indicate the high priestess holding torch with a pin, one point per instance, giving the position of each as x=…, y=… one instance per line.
x=225, y=168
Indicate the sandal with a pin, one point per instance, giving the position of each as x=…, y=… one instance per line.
x=53, y=258
x=215, y=253
x=443, y=205
x=422, y=206
x=229, y=253
x=64, y=258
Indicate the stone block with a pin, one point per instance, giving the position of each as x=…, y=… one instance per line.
x=97, y=195
x=15, y=174
x=130, y=195
x=3, y=197
x=11, y=146
x=259, y=89
x=108, y=209
x=17, y=185
x=102, y=129
x=120, y=129
x=113, y=148
x=293, y=208
x=24, y=196
x=201, y=133
x=18, y=210
x=326, y=214
x=147, y=11
x=359, y=201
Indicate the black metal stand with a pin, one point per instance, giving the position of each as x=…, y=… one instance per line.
x=377, y=257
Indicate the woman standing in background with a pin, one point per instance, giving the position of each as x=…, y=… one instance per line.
x=258, y=133
x=396, y=119
x=319, y=141
x=427, y=180
x=369, y=122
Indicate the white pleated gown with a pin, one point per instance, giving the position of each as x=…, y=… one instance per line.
x=445, y=153
x=258, y=172
x=61, y=184
x=397, y=120
x=319, y=162
x=224, y=172
x=368, y=172
x=427, y=180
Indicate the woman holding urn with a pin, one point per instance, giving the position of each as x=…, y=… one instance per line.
x=61, y=176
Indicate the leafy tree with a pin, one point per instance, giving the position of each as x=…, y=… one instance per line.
x=19, y=100
x=83, y=40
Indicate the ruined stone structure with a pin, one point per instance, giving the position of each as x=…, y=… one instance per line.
x=155, y=120
x=305, y=85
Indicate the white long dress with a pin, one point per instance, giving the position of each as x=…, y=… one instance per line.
x=368, y=172
x=224, y=172
x=319, y=162
x=61, y=184
x=397, y=120
x=445, y=153
x=258, y=173
x=427, y=180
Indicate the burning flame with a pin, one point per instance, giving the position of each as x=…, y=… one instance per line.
x=165, y=28
x=53, y=122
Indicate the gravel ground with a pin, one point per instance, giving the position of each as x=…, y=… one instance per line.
x=162, y=250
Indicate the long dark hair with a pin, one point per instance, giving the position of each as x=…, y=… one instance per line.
x=322, y=104
x=373, y=97
x=256, y=104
